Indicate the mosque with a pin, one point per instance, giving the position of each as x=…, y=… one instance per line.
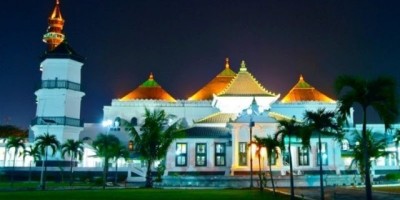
x=221, y=118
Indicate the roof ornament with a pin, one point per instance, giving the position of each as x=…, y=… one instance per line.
x=151, y=77
x=301, y=77
x=57, y=2
x=243, y=66
x=226, y=63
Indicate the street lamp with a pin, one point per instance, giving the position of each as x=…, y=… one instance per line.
x=251, y=125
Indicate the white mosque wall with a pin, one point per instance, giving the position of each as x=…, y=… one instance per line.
x=188, y=110
x=236, y=104
x=171, y=165
x=61, y=69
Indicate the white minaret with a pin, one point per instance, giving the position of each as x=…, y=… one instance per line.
x=59, y=96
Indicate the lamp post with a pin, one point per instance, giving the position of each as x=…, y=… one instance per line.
x=251, y=125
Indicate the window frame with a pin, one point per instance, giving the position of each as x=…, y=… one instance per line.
x=326, y=152
x=242, y=162
x=219, y=154
x=198, y=154
x=179, y=155
x=301, y=154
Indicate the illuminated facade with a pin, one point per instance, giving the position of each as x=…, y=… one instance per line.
x=59, y=97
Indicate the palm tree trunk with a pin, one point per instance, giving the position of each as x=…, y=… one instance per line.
x=13, y=169
x=42, y=181
x=368, y=187
x=45, y=172
x=259, y=171
x=270, y=173
x=321, y=180
x=291, y=171
x=149, y=181
x=5, y=156
x=30, y=172
x=71, y=178
x=116, y=172
x=105, y=169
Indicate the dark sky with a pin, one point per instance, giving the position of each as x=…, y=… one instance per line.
x=184, y=43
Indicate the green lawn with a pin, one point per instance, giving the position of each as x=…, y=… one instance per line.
x=138, y=194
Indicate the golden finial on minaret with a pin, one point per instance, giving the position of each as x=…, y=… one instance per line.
x=243, y=66
x=151, y=77
x=54, y=35
x=301, y=77
x=226, y=63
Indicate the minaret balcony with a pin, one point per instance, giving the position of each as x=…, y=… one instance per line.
x=65, y=121
x=60, y=84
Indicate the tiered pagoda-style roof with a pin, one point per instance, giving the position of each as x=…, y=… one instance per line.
x=215, y=86
x=244, y=84
x=63, y=50
x=303, y=91
x=150, y=89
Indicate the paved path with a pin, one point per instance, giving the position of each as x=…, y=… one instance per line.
x=340, y=193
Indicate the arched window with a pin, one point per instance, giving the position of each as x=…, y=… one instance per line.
x=134, y=121
x=345, y=145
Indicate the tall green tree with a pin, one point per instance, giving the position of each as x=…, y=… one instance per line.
x=7, y=131
x=44, y=143
x=272, y=146
x=258, y=142
x=16, y=143
x=376, y=149
x=74, y=149
x=104, y=146
x=33, y=152
x=378, y=94
x=155, y=138
x=288, y=129
x=119, y=152
x=323, y=123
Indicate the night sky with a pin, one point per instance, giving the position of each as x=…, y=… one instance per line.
x=184, y=43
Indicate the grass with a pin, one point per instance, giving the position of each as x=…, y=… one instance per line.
x=139, y=194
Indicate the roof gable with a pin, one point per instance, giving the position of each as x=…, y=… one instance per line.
x=303, y=91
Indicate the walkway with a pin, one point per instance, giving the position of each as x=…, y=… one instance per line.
x=340, y=193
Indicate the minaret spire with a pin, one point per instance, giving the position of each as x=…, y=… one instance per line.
x=54, y=35
x=226, y=63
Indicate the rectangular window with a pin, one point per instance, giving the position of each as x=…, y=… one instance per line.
x=181, y=154
x=324, y=153
x=242, y=153
x=273, y=157
x=220, y=154
x=201, y=154
x=286, y=157
x=303, y=156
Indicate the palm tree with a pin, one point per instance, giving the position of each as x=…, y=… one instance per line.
x=44, y=142
x=396, y=143
x=288, y=128
x=74, y=149
x=16, y=143
x=155, y=138
x=272, y=146
x=259, y=144
x=104, y=146
x=119, y=152
x=376, y=149
x=378, y=94
x=8, y=131
x=35, y=154
x=324, y=123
